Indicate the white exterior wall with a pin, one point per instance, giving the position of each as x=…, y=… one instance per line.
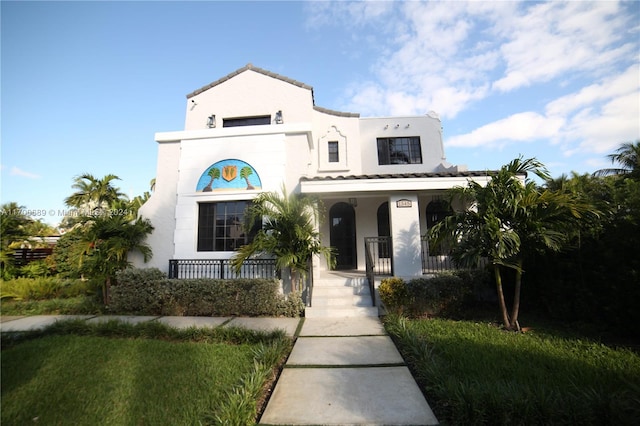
x=344, y=130
x=405, y=234
x=160, y=209
x=249, y=93
x=428, y=128
x=283, y=154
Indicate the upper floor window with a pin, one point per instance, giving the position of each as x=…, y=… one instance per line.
x=220, y=226
x=403, y=150
x=246, y=121
x=334, y=154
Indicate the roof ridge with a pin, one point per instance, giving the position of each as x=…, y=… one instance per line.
x=334, y=112
x=251, y=67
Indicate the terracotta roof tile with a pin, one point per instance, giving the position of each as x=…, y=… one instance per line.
x=246, y=68
x=478, y=173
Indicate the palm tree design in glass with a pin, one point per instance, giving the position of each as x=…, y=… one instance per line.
x=245, y=172
x=214, y=173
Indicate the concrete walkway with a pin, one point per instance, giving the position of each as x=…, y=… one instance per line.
x=341, y=371
x=346, y=371
x=36, y=322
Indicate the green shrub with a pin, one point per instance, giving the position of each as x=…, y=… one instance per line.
x=149, y=292
x=290, y=305
x=36, y=269
x=443, y=295
x=43, y=288
x=394, y=294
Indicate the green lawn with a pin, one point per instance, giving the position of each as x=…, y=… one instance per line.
x=475, y=373
x=83, y=378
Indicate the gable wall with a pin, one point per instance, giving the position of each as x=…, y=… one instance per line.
x=249, y=93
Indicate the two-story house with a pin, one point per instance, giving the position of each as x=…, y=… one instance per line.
x=254, y=130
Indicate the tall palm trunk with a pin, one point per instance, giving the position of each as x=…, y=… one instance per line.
x=515, y=309
x=503, y=305
x=106, y=290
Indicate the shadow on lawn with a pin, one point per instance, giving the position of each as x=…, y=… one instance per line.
x=474, y=373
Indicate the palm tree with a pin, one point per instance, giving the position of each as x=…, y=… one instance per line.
x=508, y=218
x=93, y=193
x=288, y=232
x=107, y=242
x=245, y=172
x=628, y=157
x=213, y=173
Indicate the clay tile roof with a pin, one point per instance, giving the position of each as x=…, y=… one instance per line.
x=478, y=173
x=252, y=68
x=337, y=113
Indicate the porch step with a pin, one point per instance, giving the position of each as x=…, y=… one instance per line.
x=343, y=312
x=340, y=296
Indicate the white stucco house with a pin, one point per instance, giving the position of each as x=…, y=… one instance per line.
x=253, y=131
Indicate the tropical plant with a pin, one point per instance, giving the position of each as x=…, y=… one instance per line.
x=107, y=242
x=93, y=193
x=508, y=218
x=17, y=229
x=13, y=224
x=627, y=156
x=213, y=173
x=288, y=232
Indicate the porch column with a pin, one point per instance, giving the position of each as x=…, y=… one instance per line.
x=404, y=216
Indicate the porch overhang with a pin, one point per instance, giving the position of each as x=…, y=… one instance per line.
x=391, y=182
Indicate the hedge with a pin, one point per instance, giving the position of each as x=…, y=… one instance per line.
x=444, y=295
x=149, y=292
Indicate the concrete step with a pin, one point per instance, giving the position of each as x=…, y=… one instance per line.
x=335, y=291
x=340, y=312
x=342, y=301
x=340, y=297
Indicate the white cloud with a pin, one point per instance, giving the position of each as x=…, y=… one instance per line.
x=15, y=171
x=570, y=68
x=601, y=130
x=617, y=85
x=595, y=119
x=553, y=38
x=521, y=127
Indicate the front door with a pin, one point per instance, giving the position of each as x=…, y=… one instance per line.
x=343, y=235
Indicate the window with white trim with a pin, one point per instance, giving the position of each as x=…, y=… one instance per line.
x=221, y=226
x=400, y=150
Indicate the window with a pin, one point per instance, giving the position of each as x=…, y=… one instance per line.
x=220, y=226
x=246, y=121
x=334, y=156
x=405, y=150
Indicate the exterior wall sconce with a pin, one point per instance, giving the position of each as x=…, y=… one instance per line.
x=353, y=202
x=386, y=127
x=211, y=121
x=279, y=119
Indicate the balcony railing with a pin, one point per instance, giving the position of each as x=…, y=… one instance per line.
x=221, y=268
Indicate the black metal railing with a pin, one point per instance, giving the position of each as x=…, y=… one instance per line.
x=378, y=260
x=380, y=254
x=440, y=261
x=221, y=268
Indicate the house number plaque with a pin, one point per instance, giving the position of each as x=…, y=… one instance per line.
x=404, y=203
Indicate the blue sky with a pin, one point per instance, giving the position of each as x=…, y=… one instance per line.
x=86, y=85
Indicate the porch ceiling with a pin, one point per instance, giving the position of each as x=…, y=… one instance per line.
x=390, y=182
